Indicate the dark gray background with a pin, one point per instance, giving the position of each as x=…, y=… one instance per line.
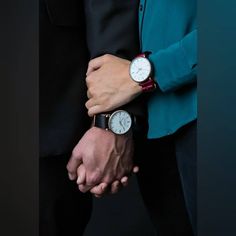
x=120, y=215
x=19, y=124
x=123, y=214
x=217, y=118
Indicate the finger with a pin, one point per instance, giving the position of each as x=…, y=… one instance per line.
x=97, y=196
x=90, y=78
x=81, y=173
x=90, y=103
x=72, y=166
x=96, y=109
x=135, y=169
x=125, y=181
x=84, y=188
x=95, y=64
x=99, y=189
x=88, y=94
x=115, y=187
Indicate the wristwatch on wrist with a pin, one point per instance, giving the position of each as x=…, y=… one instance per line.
x=141, y=72
x=119, y=122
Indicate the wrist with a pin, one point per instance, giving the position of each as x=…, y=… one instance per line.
x=135, y=88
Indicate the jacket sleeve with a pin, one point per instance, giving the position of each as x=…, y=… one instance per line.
x=112, y=28
x=176, y=65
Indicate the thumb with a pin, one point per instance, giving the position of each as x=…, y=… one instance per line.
x=95, y=64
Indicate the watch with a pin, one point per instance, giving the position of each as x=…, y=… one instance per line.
x=119, y=122
x=141, y=72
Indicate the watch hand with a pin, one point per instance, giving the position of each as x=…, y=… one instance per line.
x=122, y=123
x=139, y=69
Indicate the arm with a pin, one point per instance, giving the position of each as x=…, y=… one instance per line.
x=112, y=26
x=106, y=157
x=176, y=65
x=109, y=83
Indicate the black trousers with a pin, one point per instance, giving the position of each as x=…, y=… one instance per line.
x=63, y=209
x=167, y=181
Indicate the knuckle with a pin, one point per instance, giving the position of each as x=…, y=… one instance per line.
x=90, y=113
x=82, y=189
x=88, y=80
x=108, y=179
x=99, y=191
x=106, y=57
x=93, y=179
x=87, y=105
x=90, y=64
x=68, y=167
x=74, y=153
x=91, y=91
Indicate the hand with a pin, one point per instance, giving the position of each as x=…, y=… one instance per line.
x=109, y=84
x=103, y=188
x=106, y=157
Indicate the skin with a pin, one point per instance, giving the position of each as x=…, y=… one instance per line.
x=109, y=87
x=109, y=84
x=103, y=188
x=102, y=161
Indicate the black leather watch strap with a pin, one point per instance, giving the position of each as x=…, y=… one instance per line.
x=101, y=120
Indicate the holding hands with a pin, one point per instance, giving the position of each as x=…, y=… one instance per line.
x=102, y=161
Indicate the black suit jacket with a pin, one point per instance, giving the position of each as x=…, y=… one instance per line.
x=72, y=32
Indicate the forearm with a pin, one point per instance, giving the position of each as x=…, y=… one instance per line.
x=112, y=28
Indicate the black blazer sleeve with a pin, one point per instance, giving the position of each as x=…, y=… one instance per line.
x=112, y=27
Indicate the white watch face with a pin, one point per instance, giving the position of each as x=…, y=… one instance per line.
x=120, y=122
x=140, y=69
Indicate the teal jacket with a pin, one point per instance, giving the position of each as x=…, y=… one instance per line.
x=168, y=30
